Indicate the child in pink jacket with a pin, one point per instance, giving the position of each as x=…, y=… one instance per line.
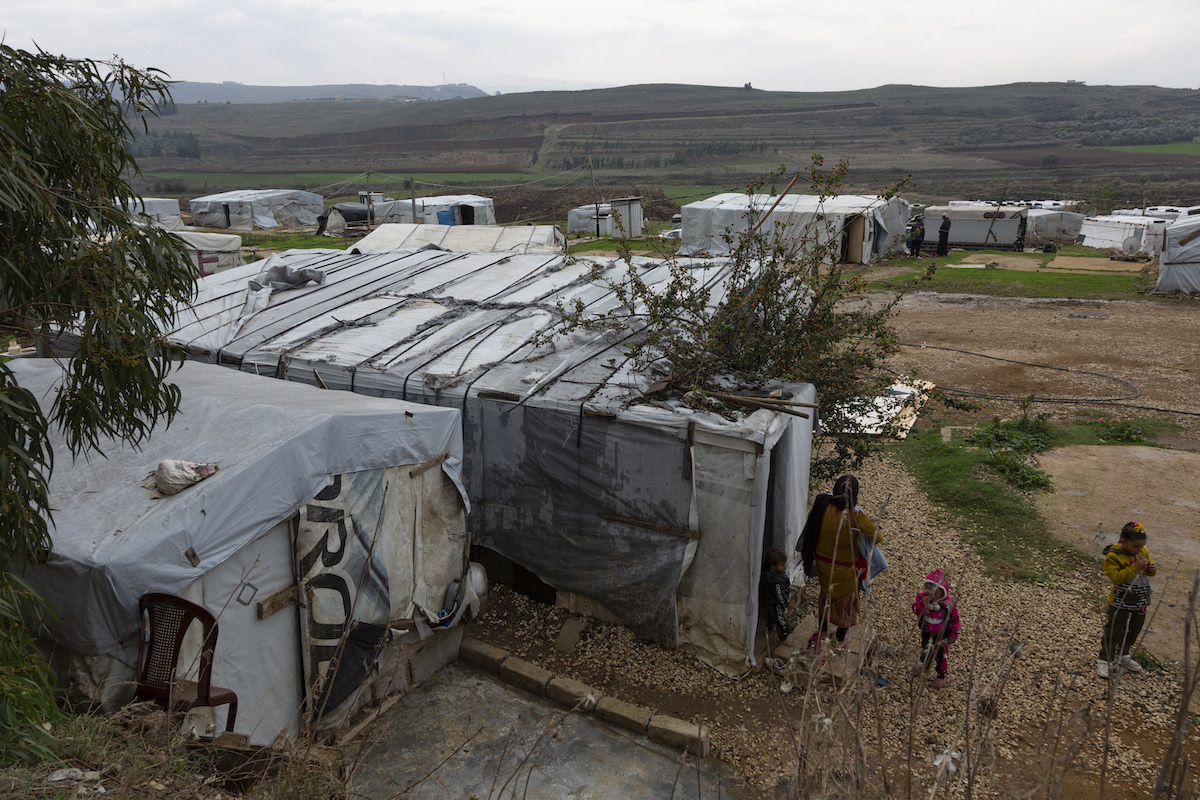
x=937, y=618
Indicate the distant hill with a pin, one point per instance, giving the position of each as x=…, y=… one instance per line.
x=1020, y=140
x=230, y=92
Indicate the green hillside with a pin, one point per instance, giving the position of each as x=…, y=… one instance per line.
x=1016, y=140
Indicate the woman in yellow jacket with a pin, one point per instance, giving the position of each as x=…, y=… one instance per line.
x=830, y=549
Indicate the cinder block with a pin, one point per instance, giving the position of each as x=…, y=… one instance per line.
x=680, y=734
x=627, y=715
x=482, y=654
x=572, y=693
x=524, y=675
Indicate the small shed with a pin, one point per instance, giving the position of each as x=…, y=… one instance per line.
x=335, y=523
x=1047, y=223
x=244, y=209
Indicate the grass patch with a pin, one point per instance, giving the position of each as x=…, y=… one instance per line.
x=645, y=246
x=1008, y=283
x=983, y=481
x=1177, y=148
x=293, y=240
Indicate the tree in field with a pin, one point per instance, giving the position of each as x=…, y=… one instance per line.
x=71, y=257
x=790, y=311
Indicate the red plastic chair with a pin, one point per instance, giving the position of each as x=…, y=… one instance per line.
x=165, y=620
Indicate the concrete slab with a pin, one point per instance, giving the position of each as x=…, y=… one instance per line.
x=465, y=732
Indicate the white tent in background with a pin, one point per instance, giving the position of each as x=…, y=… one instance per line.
x=212, y=252
x=1129, y=234
x=1179, y=264
x=622, y=218
x=979, y=225
x=464, y=238
x=868, y=227
x=650, y=511
x=161, y=211
x=244, y=209
x=1045, y=223
x=351, y=504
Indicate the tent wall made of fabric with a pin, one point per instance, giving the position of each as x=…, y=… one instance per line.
x=1179, y=264
x=571, y=472
x=213, y=252
x=521, y=239
x=979, y=225
x=1049, y=224
x=870, y=226
x=276, y=445
x=161, y=211
x=1130, y=234
x=244, y=209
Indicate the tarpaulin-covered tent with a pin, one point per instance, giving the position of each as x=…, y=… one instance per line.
x=465, y=238
x=161, y=211
x=1046, y=223
x=1179, y=263
x=449, y=209
x=350, y=505
x=621, y=218
x=1129, y=234
x=212, y=252
x=244, y=209
x=976, y=225
x=868, y=227
x=654, y=511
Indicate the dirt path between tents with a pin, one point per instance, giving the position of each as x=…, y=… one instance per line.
x=1128, y=359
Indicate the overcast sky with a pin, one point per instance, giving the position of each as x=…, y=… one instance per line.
x=522, y=45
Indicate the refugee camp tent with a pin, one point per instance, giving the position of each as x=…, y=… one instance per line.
x=868, y=227
x=1179, y=264
x=646, y=509
x=465, y=238
x=1046, y=223
x=1129, y=234
x=451, y=209
x=161, y=211
x=1169, y=213
x=991, y=226
x=244, y=209
x=212, y=252
x=593, y=220
x=622, y=218
x=352, y=506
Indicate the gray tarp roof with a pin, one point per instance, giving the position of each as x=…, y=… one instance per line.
x=277, y=445
x=573, y=471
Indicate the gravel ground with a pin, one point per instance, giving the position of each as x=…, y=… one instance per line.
x=1024, y=667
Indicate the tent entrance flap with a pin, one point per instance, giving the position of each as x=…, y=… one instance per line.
x=854, y=233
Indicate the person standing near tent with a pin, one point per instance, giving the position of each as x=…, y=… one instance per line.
x=916, y=236
x=944, y=235
x=830, y=548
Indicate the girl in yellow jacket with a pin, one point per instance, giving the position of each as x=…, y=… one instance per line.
x=1129, y=566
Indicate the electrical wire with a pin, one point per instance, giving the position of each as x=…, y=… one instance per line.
x=1105, y=401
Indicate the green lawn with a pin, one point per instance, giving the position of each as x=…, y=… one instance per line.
x=1178, y=148
x=950, y=277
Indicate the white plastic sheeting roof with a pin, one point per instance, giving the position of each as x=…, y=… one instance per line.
x=464, y=238
x=650, y=508
x=277, y=445
x=1129, y=234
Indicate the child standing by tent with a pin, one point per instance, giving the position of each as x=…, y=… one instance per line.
x=777, y=590
x=937, y=618
x=1128, y=565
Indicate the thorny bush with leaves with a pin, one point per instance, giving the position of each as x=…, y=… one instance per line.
x=784, y=309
